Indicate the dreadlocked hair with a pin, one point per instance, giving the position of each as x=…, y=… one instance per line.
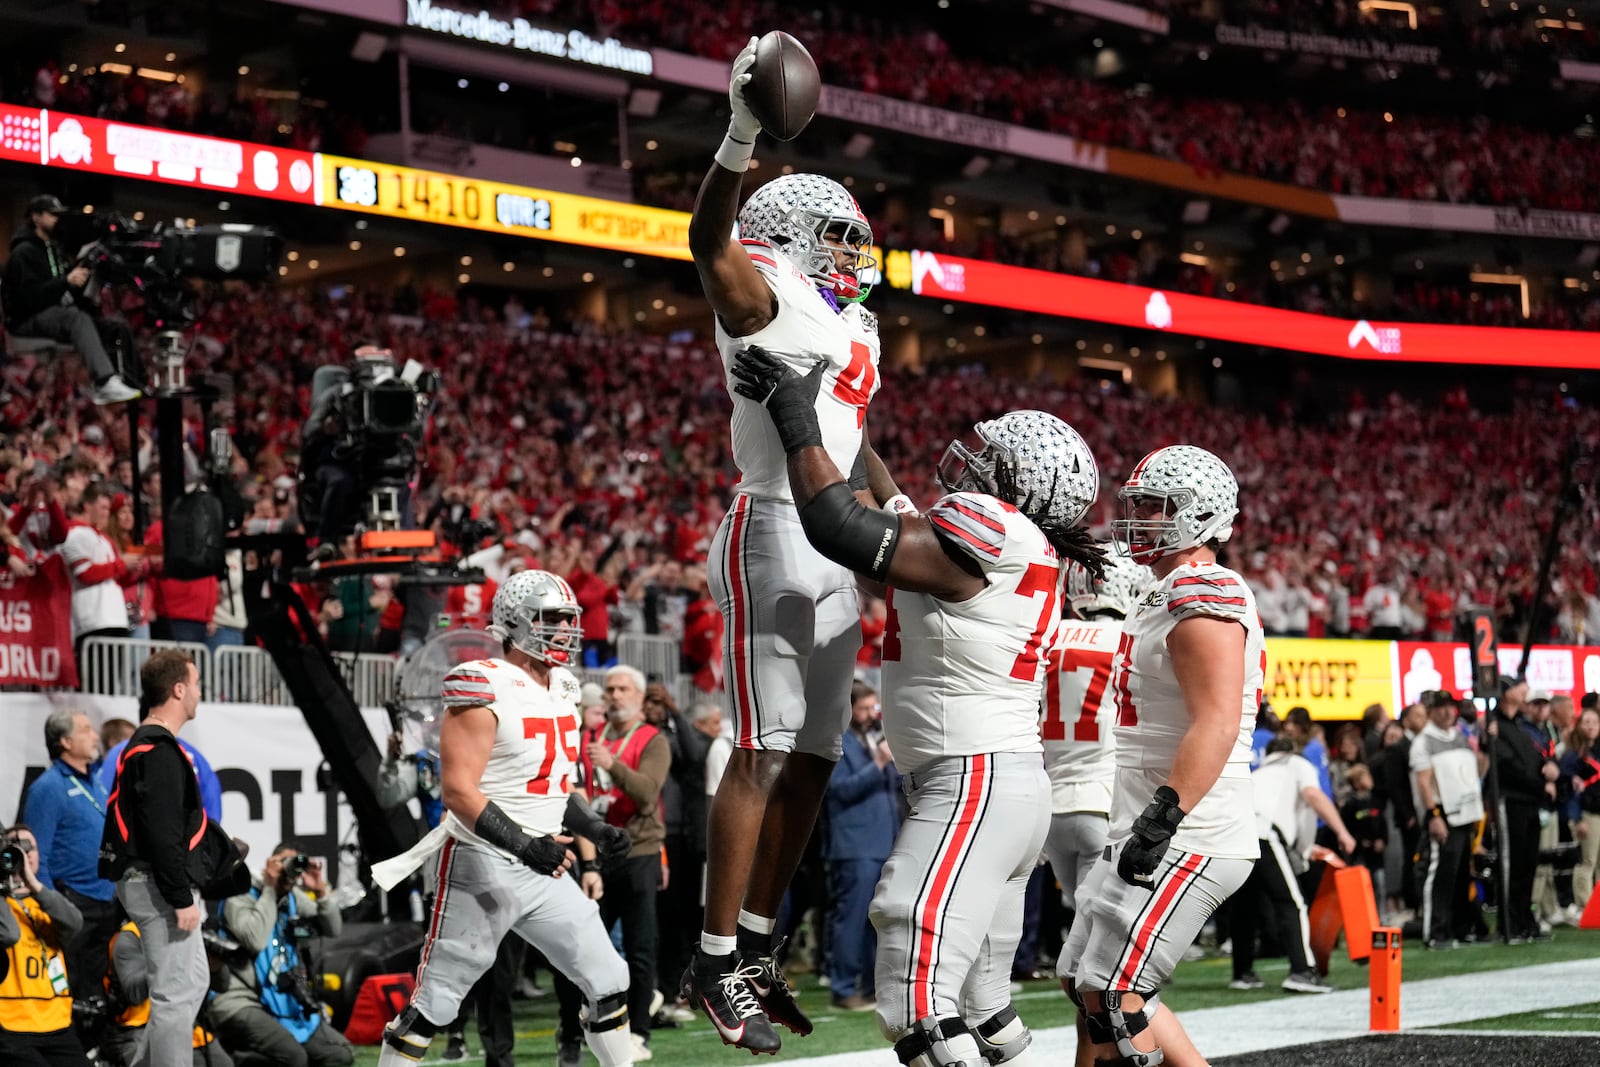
x=1078, y=545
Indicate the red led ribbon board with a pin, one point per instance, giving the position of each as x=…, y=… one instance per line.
x=1046, y=293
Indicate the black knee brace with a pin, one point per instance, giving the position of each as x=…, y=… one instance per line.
x=410, y=1034
x=1002, y=1036
x=609, y=1013
x=927, y=1043
x=1112, y=1026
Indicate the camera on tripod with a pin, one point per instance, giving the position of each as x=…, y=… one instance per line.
x=359, y=448
x=155, y=260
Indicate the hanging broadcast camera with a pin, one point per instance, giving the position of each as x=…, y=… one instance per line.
x=360, y=446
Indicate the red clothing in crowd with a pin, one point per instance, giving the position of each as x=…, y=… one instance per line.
x=471, y=605
x=192, y=600
x=595, y=596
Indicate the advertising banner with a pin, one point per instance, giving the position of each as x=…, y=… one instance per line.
x=1330, y=679
x=1560, y=669
x=265, y=756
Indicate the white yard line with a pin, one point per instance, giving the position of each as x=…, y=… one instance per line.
x=1283, y=1022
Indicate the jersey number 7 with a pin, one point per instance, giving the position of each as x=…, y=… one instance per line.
x=1087, y=728
x=562, y=731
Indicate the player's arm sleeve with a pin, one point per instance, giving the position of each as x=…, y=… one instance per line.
x=1211, y=592
x=465, y=687
x=972, y=524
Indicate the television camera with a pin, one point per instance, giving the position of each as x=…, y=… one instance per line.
x=359, y=448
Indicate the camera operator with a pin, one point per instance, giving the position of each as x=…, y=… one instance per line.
x=270, y=1015
x=44, y=297
x=127, y=986
x=35, y=1000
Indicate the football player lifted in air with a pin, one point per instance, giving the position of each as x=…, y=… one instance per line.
x=792, y=284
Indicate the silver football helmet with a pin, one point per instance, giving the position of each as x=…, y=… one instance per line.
x=1031, y=460
x=1197, y=497
x=538, y=613
x=809, y=219
x=1124, y=582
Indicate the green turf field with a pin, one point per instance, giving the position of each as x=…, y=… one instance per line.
x=1584, y=1018
x=1201, y=984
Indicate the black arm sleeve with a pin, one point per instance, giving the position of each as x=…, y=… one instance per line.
x=858, y=470
x=863, y=539
x=158, y=795
x=541, y=854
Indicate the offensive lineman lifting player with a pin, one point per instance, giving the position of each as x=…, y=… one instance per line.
x=1187, y=678
x=507, y=747
x=973, y=595
x=792, y=623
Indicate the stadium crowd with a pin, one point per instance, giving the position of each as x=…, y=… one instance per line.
x=1347, y=151
x=601, y=451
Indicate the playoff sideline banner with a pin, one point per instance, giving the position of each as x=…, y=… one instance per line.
x=265, y=757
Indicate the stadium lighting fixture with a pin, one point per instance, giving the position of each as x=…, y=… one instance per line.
x=1408, y=10
x=1520, y=281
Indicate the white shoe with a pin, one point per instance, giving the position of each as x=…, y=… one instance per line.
x=115, y=391
x=656, y=1001
x=1306, y=982
x=1575, y=913
x=641, y=1049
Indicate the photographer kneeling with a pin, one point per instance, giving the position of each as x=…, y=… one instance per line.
x=127, y=984
x=270, y=1015
x=35, y=1001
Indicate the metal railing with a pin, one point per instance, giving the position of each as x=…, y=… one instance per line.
x=239, y=673
x=109, y=666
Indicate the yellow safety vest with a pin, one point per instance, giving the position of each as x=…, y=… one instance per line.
x=29, y=1003
x=136, y=1015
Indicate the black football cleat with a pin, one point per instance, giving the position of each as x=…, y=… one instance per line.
x=774, y=992
x=729, y=1002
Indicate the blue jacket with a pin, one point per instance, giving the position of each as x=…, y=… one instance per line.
x=863, y=812
x=210, y=787
x=67, y=813
x=1317, y=753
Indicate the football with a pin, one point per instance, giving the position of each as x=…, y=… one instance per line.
x=784, y=86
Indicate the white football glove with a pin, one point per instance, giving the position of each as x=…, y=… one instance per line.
x=744, y=125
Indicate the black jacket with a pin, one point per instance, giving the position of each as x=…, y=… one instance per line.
x=1521, y=763
x=155, y=818
x=1395, y=782
x=35, y=277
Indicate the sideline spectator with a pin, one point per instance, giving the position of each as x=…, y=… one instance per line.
x=35, y=998
x=683, y=805
x=1447, y=787
x=1581, y=767
x=862, y=818
x=1363, y=817
x=1287, y=796
x=625, y=767
x=1527, y=778
x=66, y=807
x=150, y=848
x=1307, y=737
x=127, y=987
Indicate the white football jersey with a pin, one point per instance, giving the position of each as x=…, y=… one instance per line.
x=960, y=679
x=1078, y=714
x=535, y=752
x=804, y=330
x=1152, y=716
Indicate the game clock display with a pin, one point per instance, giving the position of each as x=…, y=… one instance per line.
x=405, y=192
